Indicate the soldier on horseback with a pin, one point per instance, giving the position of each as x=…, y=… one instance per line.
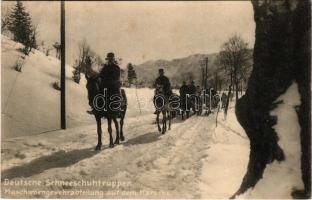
x=104, y=88
x=191, y=91
x=164, y=82
x=161, y=101
x=110, y=74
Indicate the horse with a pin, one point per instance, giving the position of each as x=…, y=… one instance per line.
x=95, y=87
x=211, y=102
x=161, y=103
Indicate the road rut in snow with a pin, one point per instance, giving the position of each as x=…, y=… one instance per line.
x=153, y=164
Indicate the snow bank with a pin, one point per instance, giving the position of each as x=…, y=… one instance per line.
x=228, y=157
x=30, y=105
x=286, y=175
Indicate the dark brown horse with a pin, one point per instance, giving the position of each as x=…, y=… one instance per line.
x=95, y=87
x=161, y=104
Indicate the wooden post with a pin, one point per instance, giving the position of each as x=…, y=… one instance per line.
x=63, y=109
x=206, y=72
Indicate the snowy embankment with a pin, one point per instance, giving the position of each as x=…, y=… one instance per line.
x=30, y=105
x=279, y=179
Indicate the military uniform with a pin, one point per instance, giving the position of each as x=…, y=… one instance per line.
x=164, y=81
x=110, y=75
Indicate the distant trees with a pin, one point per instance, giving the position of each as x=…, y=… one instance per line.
x=131, y=74
x=234, y=60
x=20, y=25
x=76, y=72
x=86, y=59
x=57, y=47
x=5, y=18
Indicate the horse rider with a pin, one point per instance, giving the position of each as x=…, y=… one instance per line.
x=183, y=91
x=223, y=99
x=192, y=92
x=110, y=74
x=163, y=81
x=199, y=99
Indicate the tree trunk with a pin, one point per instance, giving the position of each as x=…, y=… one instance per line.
x=236, y=91
x=241, y=88
x=228, y=101
x=281, y=55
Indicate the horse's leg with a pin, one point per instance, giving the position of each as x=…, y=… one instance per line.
x=157, y=121
x=111, y=143
x=99, y=132
x=122, y=138
x=117, y=130
x=164, y=122
x=170, y=116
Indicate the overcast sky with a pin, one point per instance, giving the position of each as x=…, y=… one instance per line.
x=141, y=31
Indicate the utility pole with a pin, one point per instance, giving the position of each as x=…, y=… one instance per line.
x=63, y=103
x=206, y=72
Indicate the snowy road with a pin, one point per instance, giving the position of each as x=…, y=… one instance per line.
x=152, y=165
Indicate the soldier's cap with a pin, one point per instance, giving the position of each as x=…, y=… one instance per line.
x=110, y=55
x=161, y=70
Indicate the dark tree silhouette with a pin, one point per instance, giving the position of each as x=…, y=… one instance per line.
x=233, y=59
x=21, y=27
x=281, y=55
x=131, y=74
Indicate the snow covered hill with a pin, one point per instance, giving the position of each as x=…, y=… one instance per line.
x=30, y=105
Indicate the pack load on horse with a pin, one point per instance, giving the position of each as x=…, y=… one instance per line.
x=106, y=98
x=161, y=101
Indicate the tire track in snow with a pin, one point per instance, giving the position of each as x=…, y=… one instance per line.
x=169, y=163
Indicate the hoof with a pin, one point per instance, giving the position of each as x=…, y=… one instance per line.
x=300, y=194
x=111, y=145
x=98, y=147
x=116, y=142
x=159, y=129
x=122, y=138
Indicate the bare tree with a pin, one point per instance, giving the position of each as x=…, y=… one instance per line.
x=84, y=52
x=87, y=59
x=5, y=18
x=233, y=59
x=57, y=47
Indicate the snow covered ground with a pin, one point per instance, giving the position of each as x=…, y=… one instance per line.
x=190, y=161
x=195, y=159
